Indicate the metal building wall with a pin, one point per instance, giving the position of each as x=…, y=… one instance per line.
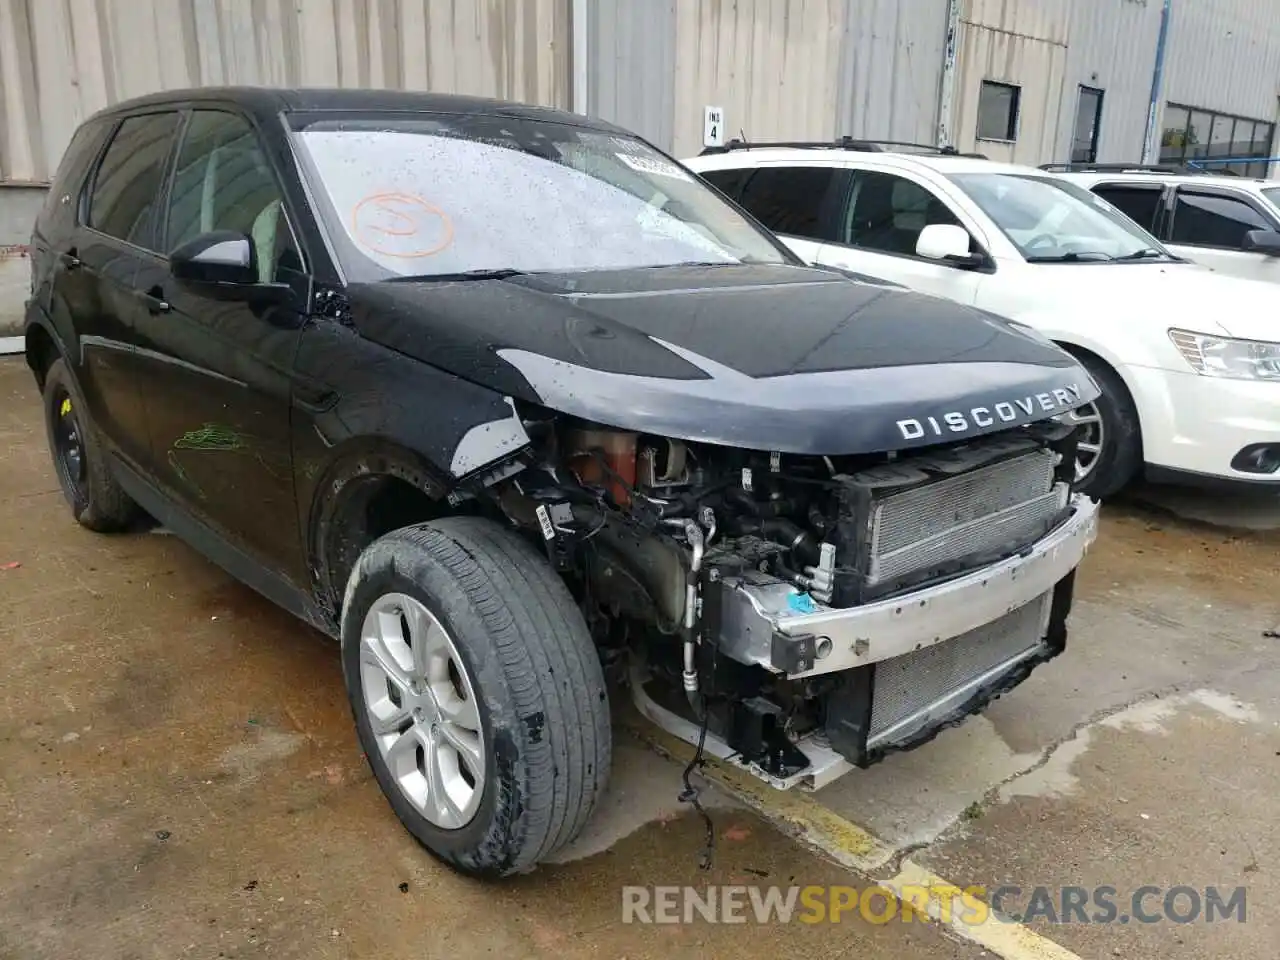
x=891, y=70
x=631, y=49
x=1112, y=48
x=774, y=65
x=1225, y=55
x=1022, y=42
x=61, y=61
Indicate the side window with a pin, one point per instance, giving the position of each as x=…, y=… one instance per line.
x=728, y=182
x=128, y=180
x=1213, y=220
x=791, y=200
x=222, y=181
x=1140, y=204
x=887, y=214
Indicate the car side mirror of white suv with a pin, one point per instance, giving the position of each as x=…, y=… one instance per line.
x=1266, y=242
x=945, y=241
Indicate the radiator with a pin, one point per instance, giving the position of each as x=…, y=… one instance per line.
x=920, y=688
x=934, y=517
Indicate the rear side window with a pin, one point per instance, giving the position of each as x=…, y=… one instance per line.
x=1214, y=221
x=1139, y=204
x=792, y=200
x=129, y=178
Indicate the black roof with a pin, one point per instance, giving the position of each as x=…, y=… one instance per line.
x=272, y=100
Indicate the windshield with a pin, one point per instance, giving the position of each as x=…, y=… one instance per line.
x=1052, y=220
x=1272, y=194
x=441, y=195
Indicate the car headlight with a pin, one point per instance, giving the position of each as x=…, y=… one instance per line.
x=1224, y=357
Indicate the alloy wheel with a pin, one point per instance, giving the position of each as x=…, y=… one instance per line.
x=422, y=710
x=1092, y=436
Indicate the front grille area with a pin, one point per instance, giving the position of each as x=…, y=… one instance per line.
x=939, y=515
x=918, y=689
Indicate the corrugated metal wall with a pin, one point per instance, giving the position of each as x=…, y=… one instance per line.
x=631, y=46
x=891, y=69
x=774, y=65
x=1113, y=48
x=60, y=60
x=1225, y=55
x=1022, y=42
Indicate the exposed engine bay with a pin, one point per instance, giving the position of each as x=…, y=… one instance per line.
x=803, y=615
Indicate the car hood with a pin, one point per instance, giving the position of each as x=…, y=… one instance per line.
x=1187, y=295
x=768, y=357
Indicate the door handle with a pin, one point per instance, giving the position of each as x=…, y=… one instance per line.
x=70, y=260
x=154, y=300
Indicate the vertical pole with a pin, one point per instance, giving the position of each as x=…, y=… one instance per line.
x=947, y=89
x=1150, y=144
x=578, y=55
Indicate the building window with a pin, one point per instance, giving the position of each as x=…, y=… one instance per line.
x=1203, y=136
x=998, y=111
x=1084, y=148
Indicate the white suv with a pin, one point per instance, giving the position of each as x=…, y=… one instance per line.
x=1231, y=224
x=1188, y=359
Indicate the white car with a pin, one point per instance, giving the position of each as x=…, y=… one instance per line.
x=1188, y=359
x=1231, y=224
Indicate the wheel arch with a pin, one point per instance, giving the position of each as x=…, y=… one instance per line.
x=42, y=346
x=369, y=487
x=1084, y=353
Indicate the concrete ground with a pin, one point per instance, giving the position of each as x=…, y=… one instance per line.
x=180, y=778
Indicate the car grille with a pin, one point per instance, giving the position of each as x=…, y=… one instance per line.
x=921, y=688
x=976, y=513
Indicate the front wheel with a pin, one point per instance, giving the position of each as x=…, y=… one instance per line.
x=477, y=693
x=1109, y=451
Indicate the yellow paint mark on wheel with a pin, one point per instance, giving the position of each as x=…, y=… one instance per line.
x=65, y=408
x=798, y=814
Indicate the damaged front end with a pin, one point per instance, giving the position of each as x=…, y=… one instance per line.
x=803, y=615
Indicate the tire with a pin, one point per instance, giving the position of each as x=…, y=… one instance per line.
x=1121, y=453
x=96, y=499
x=521, y=649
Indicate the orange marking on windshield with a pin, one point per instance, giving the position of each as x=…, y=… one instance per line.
x=403, y=225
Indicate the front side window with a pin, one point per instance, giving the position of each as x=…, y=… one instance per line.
x=1139, y=203
x=1051, y=220
x=130, y=176
x=1213, y=220
x=222, y=181
x=423, y=196
x=888, y=212
x=791, y=200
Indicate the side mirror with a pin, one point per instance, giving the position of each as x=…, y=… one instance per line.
x=221, y=257
x=946, y=241
x=1266, y=242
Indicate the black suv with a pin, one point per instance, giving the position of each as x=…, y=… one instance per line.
x=507, y=400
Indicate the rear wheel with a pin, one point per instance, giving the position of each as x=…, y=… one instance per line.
x=1109, y=451
x=477, y=693
x=96, y=499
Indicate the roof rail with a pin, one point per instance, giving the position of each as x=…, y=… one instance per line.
x=841, y=143
x=1117, y=168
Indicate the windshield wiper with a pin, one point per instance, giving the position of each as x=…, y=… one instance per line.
x=1073, y=257
x=1145, y=253
x=497, y=273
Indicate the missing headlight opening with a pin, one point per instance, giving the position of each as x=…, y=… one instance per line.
x=804, y=615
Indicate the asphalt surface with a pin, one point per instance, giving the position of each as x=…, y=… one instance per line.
x=179, y=777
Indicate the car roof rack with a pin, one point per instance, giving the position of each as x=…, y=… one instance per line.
x=842, y=143
x=1118, y=168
